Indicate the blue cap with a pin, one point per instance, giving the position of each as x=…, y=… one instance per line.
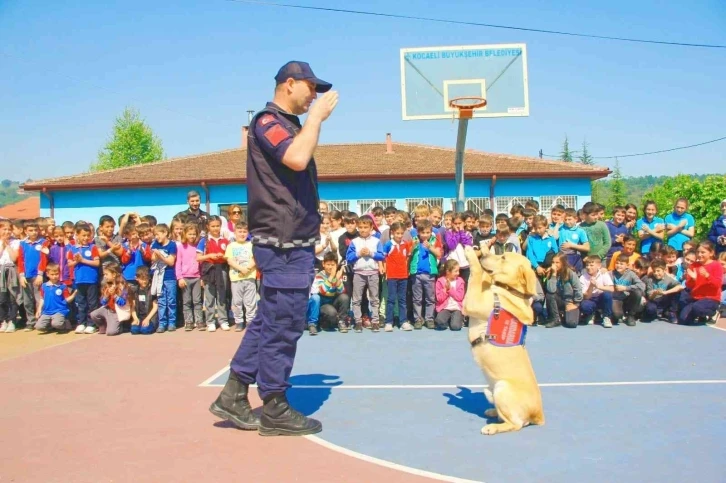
x=301, y=71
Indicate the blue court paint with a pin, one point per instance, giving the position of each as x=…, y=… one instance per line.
x=613, y=433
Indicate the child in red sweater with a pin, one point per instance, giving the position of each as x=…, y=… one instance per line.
x=397, y=254
x=703, y=286
x=449, y=297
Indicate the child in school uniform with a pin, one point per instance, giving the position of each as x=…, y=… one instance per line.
x=84, y=260
x=629, y=290
x=31, y=263
x=115, y=309
x=163, y=284
x=597, y=292
x=210, y=253
x=243, y=276
x=573, y=241
x=55, y=297
x=144, y=305
x=563, y=294
x=134, y=253
x=449, y=297
x=397, y=252
x=661, y=292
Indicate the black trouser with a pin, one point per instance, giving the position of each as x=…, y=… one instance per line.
x=333, y=311
x=668, y=304
x=629, y=305
x=8, y=307
x=449, y=318
x=691, y=309
x=86, y=301
x=555, y=305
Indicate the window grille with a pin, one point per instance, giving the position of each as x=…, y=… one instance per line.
x=366, y=205
x=505, y=203
x=546, y=203
x=412, y=203
x=338, y=205
x=477, y=205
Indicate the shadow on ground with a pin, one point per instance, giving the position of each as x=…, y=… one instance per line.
x=468, y=401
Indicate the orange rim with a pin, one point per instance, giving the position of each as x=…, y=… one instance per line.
x=467, y=110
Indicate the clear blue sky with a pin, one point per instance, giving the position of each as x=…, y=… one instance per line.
x=193, y=68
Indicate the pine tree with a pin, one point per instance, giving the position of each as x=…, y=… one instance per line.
x=566, y=155
x=585, y=157
x=132, y=143
x=617, y=188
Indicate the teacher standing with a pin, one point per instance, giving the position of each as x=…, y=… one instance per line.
x=282, y=196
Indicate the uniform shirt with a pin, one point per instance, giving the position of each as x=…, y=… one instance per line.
x=678, y=239
x=241, y=253
x=574, y=235
x=83, y=273
x=538, y=247
x=166, y=250
x=645, y=244
x=133, y=258
x=30, y=257
x=54, y=299
x=284, y=201
x=209, y=246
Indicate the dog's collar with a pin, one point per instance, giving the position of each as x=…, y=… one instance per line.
x=511, y=290
x=484, y=336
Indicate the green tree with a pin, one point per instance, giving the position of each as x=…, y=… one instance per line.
x=6, y=183
x=585, y=157
x=566, y=154
x=617, y=188
x=132, y=143
x=704, y=198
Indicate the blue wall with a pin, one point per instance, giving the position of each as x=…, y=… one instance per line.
x=164, y=203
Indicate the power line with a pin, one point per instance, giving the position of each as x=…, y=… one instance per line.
x=645, y=154
x=478, y=24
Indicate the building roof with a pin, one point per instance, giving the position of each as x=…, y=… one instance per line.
x=340, y=162
x=24, y=209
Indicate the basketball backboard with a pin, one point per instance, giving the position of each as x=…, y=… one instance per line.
x=432, y=76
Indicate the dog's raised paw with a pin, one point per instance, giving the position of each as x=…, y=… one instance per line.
x=489, y=429
x=491, y=413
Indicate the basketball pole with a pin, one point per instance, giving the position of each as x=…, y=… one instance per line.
x=459, y=163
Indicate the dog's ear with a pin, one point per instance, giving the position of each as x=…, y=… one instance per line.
x=529, y=279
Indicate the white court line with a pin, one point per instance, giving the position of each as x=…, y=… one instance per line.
x=387, y=464
x=208, y=381
x=717, y=328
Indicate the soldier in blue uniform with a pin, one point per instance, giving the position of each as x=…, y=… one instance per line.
x=282, y=191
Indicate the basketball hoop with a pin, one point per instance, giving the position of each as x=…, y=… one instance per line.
x=466, y=105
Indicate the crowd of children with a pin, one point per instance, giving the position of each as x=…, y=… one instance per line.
x=384, y=269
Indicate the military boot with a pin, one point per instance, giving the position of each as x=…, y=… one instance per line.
x=279, y=419
x=234, y=406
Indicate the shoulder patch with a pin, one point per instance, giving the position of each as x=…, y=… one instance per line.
x=266, y=119
x=276, y=134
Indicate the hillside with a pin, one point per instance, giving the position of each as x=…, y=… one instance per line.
x=9, y=192
x=635, y=187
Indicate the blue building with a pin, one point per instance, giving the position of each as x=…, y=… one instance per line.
x=352, y=176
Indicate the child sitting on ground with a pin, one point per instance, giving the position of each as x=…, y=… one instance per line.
x=115, y=308
x=629, y=290
x=449, y=297
x=563, y=294
x=597, y=292
x=328, y=304
x=55, y=296
x=143, y=314
x=661, y=292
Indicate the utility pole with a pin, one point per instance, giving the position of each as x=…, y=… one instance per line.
x=250, y=115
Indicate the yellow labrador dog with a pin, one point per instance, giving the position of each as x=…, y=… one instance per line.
x=500, y=290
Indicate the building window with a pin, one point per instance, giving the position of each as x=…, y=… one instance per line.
x=505, y=203
x=341, y=205
x=477, y=205
x=546, y=203
x=412, y=203
x=364, y=206
x=224, y=209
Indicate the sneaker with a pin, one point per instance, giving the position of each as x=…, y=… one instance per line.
x=375, y=326
x=188, y=327
x=161, y=329
x=211, y=327
x=90, y=330
x=672, y=319
x=224, y=326
x=80, y=329
x=407, y=326
x=201, y=326
x=388, y=328
x=366, y=323
x=11, y=327
x=607, y=323
x=587, y=320
x=171, y=328
x=239, y=327
x=312, y=329
x=713, y=319
x=358, y=327
x=418, y=325
x=630, y=321
x=430, y=324
x=342, y=326
x=29, y=328
x=4, y=326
